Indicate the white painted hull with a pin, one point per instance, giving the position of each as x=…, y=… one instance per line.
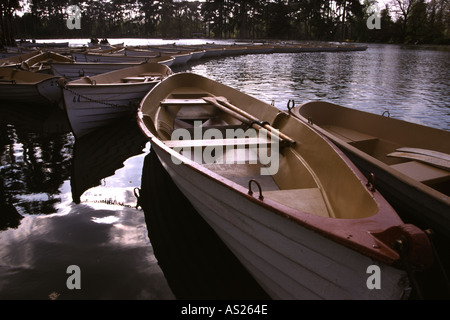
x=295, y=244
x=288, y=260
x=86, y=69
x=46, y=92
x=197, y=55
x=111, y=58
x=77, y=70
x=179, y=58
x=213, y=53
x=140, y=53
x=93, y=106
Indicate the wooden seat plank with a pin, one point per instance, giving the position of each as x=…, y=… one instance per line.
x=348, y=135
x=216, y=142
x=183, y=102
x=422, y=172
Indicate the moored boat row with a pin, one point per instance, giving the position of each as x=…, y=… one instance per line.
x=294, y=209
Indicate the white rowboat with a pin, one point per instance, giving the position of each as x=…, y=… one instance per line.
x=93, y=102
x=310, y=230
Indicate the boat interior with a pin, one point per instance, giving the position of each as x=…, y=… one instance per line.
x=148, y=72
x=270, y=166
x=43, y=61
x=17, y=60
x=382, y=137
x=15, y=76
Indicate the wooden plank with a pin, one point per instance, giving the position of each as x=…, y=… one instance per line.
x=245, y=117
x=440, y=163
x=348, y=135
x=427, y=152
x=422, y=172
x=183, y=102
x=253, y=119
x=215, y=142
x=138, y=79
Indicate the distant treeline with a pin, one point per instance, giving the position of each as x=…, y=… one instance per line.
x=401, y=21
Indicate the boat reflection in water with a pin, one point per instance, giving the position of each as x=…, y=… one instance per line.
x=196, y=264
x=35, y=157
x=100, y=153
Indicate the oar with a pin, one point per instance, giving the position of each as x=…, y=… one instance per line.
x=238, y=116
x=254, y=119
x=243, y=116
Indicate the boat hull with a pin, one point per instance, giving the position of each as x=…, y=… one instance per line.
x=94, y=102
x=91, y=107
x=316, y=226
x=288, y=260
x=411, y=202
x=111, y=58
x=418, y=201
x=46, y=93
x=77, y=70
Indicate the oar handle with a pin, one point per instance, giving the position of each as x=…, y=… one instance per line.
x=250, y=119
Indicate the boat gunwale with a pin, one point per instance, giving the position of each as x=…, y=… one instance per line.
x=159, y=70
x=40, y=77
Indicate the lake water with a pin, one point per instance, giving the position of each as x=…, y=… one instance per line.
x=43, y=170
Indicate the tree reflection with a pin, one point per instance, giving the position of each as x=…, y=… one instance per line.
x=34, y=161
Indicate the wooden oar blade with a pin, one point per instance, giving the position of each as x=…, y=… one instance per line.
x=431, y=153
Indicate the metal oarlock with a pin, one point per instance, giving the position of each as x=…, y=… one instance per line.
x=371, y=182
x=250, y=192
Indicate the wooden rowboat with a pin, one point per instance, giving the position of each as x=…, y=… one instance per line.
x=76, y=70
x=180, y=58
x=93, y=102
x=414, y=181
x=42, y=62
x=17, y=59
x=111, y=57
x=29, y=87
x=305, y=223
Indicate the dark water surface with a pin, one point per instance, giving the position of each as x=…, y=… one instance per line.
x=65, y=202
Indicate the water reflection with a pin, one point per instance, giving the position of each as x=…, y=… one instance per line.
x=43, y=230
x=35, y=157
x=196, y=263
x=414, y=85
x=115, y=257
x=100, y=153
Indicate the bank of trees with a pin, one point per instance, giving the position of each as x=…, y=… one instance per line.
x=411, y=21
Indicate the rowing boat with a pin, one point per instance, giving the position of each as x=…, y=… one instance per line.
x=180, y=58
x=75, y=70
x=29, y=87
x=290, y=206
x=374, y=142
x=42, y=62
x=110, y=57
x=16, y=59
x=93, y=102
